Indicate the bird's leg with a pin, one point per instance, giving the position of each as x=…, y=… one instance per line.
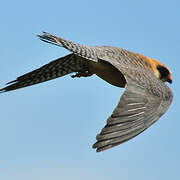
x=82, y=74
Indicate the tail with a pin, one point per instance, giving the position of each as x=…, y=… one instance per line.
x=52, y=70
x=83, y=51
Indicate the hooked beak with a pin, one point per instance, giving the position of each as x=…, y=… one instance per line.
x=169, y=79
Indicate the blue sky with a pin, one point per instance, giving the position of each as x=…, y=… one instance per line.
x=47, y=130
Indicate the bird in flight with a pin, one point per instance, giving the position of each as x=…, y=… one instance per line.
x=145, y=99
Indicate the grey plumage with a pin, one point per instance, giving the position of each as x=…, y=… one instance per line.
x=83, y=51
x=139, y=108
x=145, y=100
x=57, y=68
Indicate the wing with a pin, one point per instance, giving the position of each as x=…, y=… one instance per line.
x=96, y=53
x=142, y=104
x=54, y=69
x=83, y=51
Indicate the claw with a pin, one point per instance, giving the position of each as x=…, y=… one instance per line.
x=82, y=74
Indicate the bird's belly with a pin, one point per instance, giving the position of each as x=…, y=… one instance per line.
x=108, y=73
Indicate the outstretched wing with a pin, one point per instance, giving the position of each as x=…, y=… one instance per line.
x=139, y=107
x=83, y=51
x=54, y=69
x=96, y=53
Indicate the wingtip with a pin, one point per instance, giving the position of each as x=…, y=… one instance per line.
x=99, y=149
x=95, y=146
x=2, y=91
x=44, y=33
x=38, y=35
x=9, y=86
x=14, y=81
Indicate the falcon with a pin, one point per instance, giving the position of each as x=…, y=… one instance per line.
x=145, y=99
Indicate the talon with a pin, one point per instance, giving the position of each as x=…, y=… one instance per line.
x=82, y=74
x=76, y=75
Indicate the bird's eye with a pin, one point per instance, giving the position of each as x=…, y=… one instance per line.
x=164, y=72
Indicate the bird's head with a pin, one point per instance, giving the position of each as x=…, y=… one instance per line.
x=161, y=71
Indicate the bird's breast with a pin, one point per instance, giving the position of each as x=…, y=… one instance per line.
x=108, y=73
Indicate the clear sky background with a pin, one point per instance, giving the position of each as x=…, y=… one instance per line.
x=47, y=130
